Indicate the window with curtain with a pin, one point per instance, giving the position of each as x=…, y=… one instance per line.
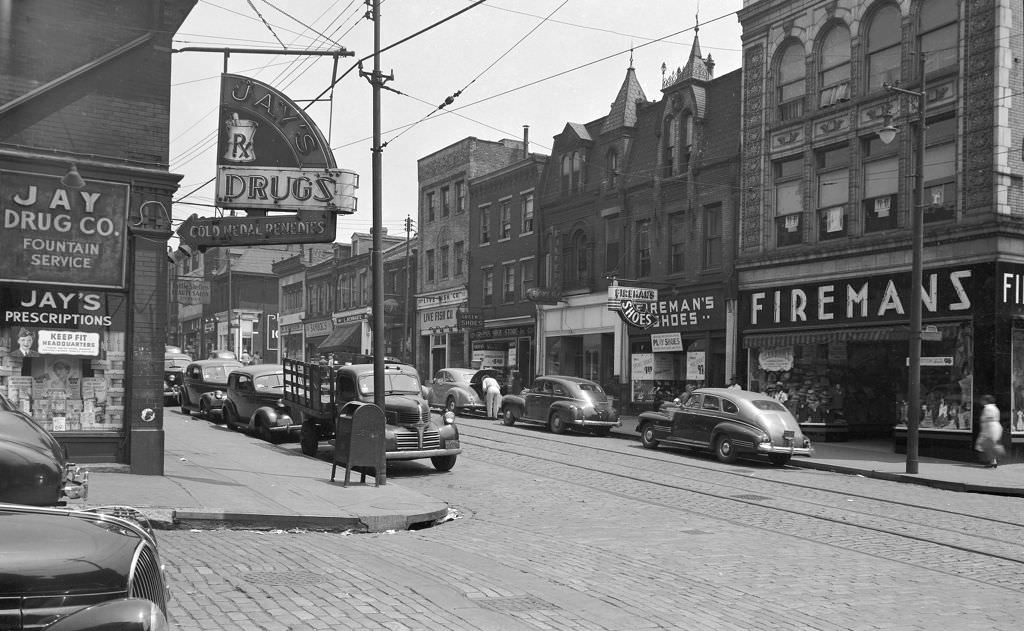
x=485, y=224
x=789, y=204
x=940, y=170
x=677, y=235
x=833, y=175
x=505, y=207
x=643, y=248
x=713, y=236
x=611, y=168
x=881, y=172
x=883, y=46
x=938, y=32
x=526, y=277
x=487, y=285
x=527, y=200
x=835, y=67
x=670, y=138
x=792, y=84
x=508, y=282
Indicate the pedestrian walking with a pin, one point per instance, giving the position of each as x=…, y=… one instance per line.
x=991, y=433
x=492, y=396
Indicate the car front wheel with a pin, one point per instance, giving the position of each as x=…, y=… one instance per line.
x=647, y=438
x=725, y=449
x=557, y=423
x=443, y=463
x=507, y=417
x=204, y=411
x=450, y=406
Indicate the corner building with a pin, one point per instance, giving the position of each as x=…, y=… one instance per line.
x=825, y=242
x=86, y=197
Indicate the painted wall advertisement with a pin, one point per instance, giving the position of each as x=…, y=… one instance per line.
x=58, y=235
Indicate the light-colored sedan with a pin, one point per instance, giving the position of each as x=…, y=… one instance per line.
x=459, y=390
x=728, y=422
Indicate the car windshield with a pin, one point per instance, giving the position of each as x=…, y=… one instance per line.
x=270, y=382
x=215, y=373
x=769, y=405
x=393, y=384
x=176, y=363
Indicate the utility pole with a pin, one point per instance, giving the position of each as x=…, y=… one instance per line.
x=409, y=292
x=377, y=80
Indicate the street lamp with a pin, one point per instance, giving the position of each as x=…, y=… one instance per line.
x=887, y=134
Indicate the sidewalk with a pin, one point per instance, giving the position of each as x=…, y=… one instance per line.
x=876, y=459
x=216, y=477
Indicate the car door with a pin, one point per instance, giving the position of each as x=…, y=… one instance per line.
x=245, y=401
x=538, y=399
x=709, y=416
x=685, y=418
x=193, y=377
x=439, y=388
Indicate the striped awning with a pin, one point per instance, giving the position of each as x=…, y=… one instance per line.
x=821, y=336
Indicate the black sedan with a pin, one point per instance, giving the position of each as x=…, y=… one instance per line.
x=560, y=403
x=253, y=402
x=729, y=423
x=33, y=468
x=203, y=387
x=78, y=570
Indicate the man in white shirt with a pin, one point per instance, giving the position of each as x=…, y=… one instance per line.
x=492, y=396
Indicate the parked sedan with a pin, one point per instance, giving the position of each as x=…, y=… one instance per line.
x=33, y=468
x=458, y=390
x=204, y=385
x=729, y=423
x=254, y=403
x=561, y=403
x=61, y=567
x=174, y=372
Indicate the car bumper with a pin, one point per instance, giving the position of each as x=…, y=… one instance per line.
x=586, y=422
x=421, y=453
x=791, y=450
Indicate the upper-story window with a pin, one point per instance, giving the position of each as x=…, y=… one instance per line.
x=612, y=239
x=429, y=264
x=505, y=208
x=883, y=46
x=364, y=288
x=444, y=261
x=446, y=201
x=643, y=248
x=508, y=282
x=940, y=191
x=611, y=168
x=686, y=142
x=881, y=172
x=677, y=237
x=670, y=138
x=527, y=200
x=578, y=259
x=713, y=236
x=572, y=172
x=938, y=32
x=833, y=174
x=460, y=257
x=526, y=273
x=485, y=224
x=835, y=67
x=460, y=197
x=431, y=206
x=789, y=205
x=487, y=285
x=792, y=82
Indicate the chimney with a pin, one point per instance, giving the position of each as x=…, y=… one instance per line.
x=526, y=141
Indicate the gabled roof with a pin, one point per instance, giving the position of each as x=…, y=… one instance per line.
x=580, y=131
x=696, y=67
x=623, y=110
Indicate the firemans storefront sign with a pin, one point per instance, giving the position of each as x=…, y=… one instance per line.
x=57, y=235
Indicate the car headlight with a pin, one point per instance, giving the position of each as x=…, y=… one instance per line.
x=449, y=418
x=218, y=395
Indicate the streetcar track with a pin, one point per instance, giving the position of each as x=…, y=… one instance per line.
x=1016, y=563
x=665, y=457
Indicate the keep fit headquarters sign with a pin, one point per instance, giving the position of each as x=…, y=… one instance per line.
x=62, y=236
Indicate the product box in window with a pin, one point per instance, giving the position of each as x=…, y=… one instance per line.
x=114, y=417
x=94, y=388
x=40, y=409
x=19, y=388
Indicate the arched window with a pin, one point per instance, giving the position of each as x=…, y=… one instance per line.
x=937, y=34
x=686, y=143
x=611, y=168
x=670, y=137
x=792, y=85
x=566, y=173
x=835, y=67
x=883, y=45
x=581, y=266
x=577, y=171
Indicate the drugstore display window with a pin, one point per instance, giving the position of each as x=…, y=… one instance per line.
x=66, y=380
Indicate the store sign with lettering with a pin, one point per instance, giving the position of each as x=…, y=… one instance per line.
x=439, y=318
x=60, y=308
x=58, y=235
x=883, y=298
x=69, y=343
x=689, y=312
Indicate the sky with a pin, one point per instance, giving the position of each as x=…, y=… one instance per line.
x=509, y=63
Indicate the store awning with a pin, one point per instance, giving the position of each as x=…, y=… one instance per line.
x=345, y=338
x=820, y=336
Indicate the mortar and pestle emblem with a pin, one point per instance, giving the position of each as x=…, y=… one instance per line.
x=240, y=138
